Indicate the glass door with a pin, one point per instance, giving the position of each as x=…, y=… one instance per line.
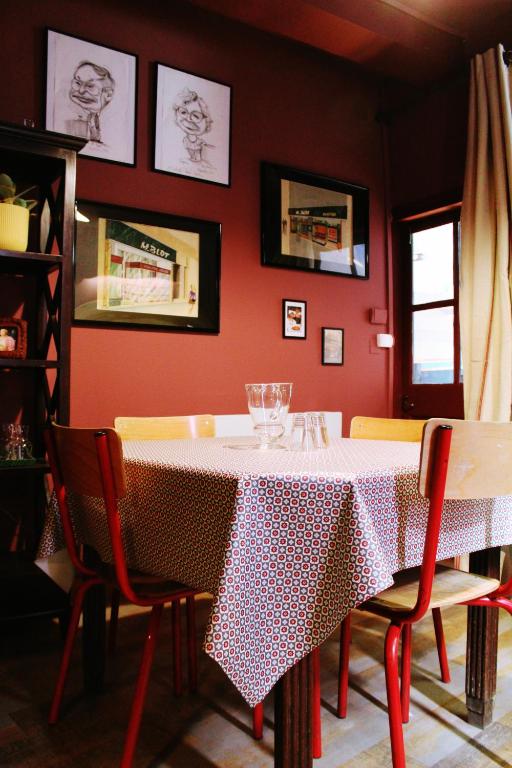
x=431, y=362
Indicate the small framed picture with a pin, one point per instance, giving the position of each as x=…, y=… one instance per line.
x=332, y=346
x=192, y=126
x=294, y=319
x=13, y=337
x=91, y=92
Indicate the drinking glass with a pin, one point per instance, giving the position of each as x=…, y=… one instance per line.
x=309, y=432
x=268, y=405
x=17, y=446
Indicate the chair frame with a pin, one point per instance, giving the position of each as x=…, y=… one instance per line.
x=104, y=477
x=433, y=484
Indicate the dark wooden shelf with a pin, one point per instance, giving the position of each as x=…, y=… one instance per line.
x=14, y=262
x=14, y=362
x=27, y=591
x=30, y=466
x=36, y=389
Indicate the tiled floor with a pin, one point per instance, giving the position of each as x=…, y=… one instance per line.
x=211, y=729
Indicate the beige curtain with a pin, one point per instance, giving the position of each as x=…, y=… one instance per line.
x=485, y=268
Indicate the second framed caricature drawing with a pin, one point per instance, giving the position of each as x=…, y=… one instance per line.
x=192, y=126
x=91, y=92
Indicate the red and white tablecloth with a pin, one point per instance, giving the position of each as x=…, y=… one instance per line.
x=287, y=542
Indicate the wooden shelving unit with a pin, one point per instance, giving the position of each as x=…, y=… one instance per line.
x=37, y=286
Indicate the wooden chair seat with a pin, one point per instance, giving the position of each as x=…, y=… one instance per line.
x=450, y=586
x=145, y=585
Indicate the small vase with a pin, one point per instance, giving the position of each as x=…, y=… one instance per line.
x=13, y=227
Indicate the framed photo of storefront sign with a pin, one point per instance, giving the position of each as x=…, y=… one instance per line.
x=91, y=92
x=313, y=223
x=192, y=126
x=136, y=268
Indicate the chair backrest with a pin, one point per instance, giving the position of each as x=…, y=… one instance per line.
x=459, y=460
x=77, y=460
x=371, y=428
x=480, y=464
x=89, y=462
x=164, y=427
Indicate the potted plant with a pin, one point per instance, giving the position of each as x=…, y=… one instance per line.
x=14, y=215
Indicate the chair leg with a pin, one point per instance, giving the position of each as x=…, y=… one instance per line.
x=405, y=676
x=393, y=692
x=316, y=722
x=257, y=721
x=114, y=621
x=176, y=646
x=141, y=687
x=68, y=647
x=343, y=666
x=191, y=643
x=441, y=645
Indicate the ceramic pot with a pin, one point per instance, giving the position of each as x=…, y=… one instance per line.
x=13, y=227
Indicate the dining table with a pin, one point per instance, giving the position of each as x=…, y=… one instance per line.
x=288, y=543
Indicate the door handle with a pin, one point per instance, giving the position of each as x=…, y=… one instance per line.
x=407, y=404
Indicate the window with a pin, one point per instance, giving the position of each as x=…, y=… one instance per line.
x=434, y=341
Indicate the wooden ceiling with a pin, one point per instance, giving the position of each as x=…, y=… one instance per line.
x=415, y=41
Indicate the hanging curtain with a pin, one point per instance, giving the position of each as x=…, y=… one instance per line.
x=486, y=227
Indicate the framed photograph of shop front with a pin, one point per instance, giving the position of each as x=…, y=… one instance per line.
x=136, y=268
x=91, y=92
x=313, y=223
x=192, y=126
x=332, y=346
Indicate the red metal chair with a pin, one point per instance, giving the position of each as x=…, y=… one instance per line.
x=459, y=460
x=90, y=463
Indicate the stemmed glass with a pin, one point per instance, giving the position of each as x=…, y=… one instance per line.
x=268, y=405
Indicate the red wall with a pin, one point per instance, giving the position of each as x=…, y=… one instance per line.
x=291, y=105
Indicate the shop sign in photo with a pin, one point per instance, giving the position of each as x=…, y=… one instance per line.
x=139, y=268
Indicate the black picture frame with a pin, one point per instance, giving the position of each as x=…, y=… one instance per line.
x=130, y=263
x=313, y=223
x=333, y=346
x=196, y=145
x=84, y=66
x=294, y=319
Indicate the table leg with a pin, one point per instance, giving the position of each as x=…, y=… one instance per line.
x=93, y=636
x=482, y=646
x=293, y=748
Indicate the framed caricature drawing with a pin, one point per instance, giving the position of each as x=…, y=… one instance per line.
x=91, y=93
x=192, y=126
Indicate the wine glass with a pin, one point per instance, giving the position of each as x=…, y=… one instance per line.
x=268, y=405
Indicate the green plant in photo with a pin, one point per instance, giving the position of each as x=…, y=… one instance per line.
x=8, y=193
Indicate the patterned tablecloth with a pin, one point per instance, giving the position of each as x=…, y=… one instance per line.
x=288, y=543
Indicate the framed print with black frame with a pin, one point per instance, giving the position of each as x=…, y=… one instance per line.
x=313, y=223
x=136, y=268
x=91, y=92
x=192, y=126
x=294, y=319
x=332, y=346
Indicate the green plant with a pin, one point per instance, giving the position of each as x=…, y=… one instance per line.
x=8, y=193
